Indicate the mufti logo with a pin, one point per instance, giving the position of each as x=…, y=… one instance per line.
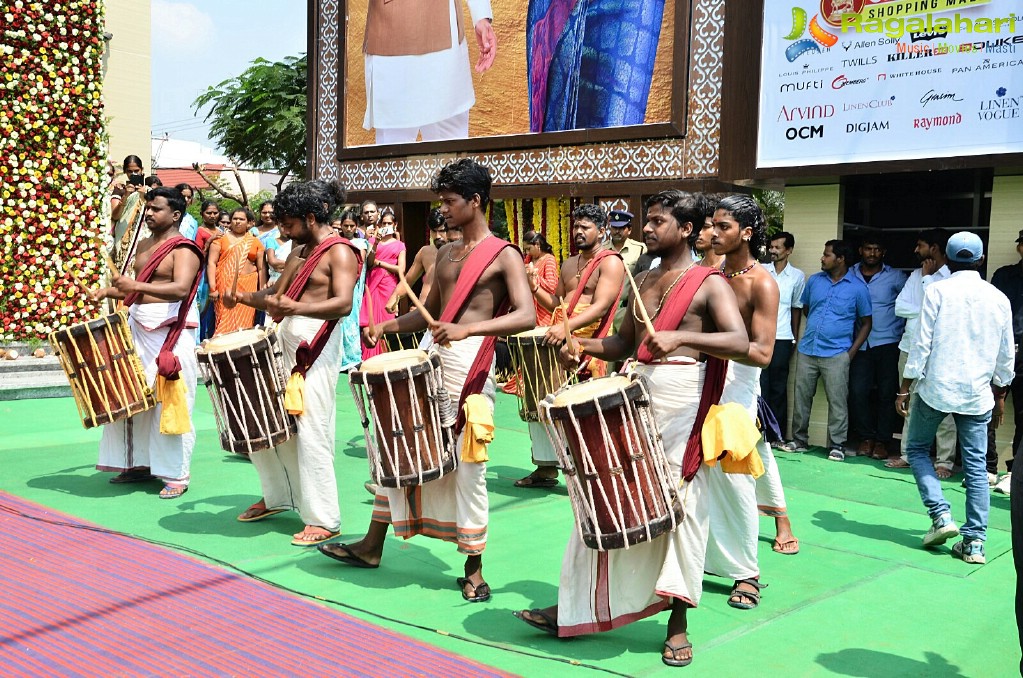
x=867, y=127
x=842, y=81
x=797, y=113
x=801, y=86
x=808, y=132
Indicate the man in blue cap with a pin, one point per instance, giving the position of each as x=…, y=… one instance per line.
x=961, y=315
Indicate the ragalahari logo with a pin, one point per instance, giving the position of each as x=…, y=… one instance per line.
x=800, y=46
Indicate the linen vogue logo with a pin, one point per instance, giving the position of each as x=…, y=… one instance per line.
x=1003, y=108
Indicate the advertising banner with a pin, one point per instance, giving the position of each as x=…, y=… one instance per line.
x=437, y=70
x=851, y=81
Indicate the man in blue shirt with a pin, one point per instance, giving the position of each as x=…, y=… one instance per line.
x=877, y=362
x=834, y=300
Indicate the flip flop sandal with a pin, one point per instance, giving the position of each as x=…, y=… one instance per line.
x=347, y=556
x=481, y=591
x=171, y=492
x=267, y=512
x=533, y=480
x=549, y=625
x=673, y=649
x=777, y=548
x=316, y=538
x=132, y=476
x=752, y=595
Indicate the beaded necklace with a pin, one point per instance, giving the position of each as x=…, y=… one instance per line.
x=741, y=271
x=664, y=296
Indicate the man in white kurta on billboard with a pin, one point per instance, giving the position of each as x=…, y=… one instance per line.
x=418, y=78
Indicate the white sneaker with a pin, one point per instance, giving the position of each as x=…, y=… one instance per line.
x=837, y=454
x=942, y=529
x=1002, y=485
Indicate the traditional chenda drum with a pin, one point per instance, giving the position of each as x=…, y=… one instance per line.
x=106, y=375
x=537, y=368
x=412, y=417
x=617, y=475
x=245, y=378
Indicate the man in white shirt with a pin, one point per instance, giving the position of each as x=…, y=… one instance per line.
x=963, y=361
x=930, y=252
x=774, y=379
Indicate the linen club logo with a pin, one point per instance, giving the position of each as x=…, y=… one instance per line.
x=799, y=45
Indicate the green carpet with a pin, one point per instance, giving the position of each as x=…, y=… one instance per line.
x=861, y=599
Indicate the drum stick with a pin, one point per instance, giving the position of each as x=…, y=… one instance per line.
x=234, y=283
x=417, y=303
x=368, y=298
x=568, y=332
x=111, y=265
x=73, y=274
x=639, y=302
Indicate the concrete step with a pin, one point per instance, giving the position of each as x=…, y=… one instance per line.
x=34, y=384
x=30, y=364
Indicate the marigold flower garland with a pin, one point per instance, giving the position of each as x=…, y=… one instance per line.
x=52, y=154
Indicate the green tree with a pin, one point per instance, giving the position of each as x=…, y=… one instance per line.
x=259, y=117
x=773, y=205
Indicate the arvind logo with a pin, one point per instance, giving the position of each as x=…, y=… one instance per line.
x=802, y=45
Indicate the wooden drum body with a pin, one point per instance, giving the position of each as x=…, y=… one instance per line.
x=538, y=370
x=617, y=475
x=401, y=394
x=104, y=369
x=244, y=375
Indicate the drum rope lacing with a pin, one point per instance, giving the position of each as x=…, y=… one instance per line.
x=120, y=375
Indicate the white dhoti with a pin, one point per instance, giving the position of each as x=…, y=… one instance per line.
x=600, y=591
x=299, y=473
x=455, y=507
x=732, y=497
x=137, y=441
x=543, y=449
x=770, y=494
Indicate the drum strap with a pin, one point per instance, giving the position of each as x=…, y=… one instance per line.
x=479, y=261
x=672, y=312
x=584, y=278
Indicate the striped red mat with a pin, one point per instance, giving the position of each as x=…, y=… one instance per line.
x=79, y=602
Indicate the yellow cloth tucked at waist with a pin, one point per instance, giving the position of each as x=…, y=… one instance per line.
x=730, y=436
x=479, y=429
x=582, y=332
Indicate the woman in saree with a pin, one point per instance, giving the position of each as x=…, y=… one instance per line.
x=384, y=261
x=237, y=255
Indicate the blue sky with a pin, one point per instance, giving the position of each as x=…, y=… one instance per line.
x=203, y=42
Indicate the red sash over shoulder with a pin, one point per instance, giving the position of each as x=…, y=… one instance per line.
x=479, y=260
x=167, y=364
x=672, y=312
x=307, y=353
x=609, y=315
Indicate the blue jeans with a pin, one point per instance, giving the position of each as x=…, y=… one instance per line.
x=972, y=430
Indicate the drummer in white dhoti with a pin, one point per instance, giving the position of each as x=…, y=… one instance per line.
x=479, y=292
x=313, y=293
x=740, y=236
x=588, y=291
x=163, y=320
x=697, y=329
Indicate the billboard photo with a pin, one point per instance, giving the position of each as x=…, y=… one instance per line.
x=419, y=71
x=852, y=81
